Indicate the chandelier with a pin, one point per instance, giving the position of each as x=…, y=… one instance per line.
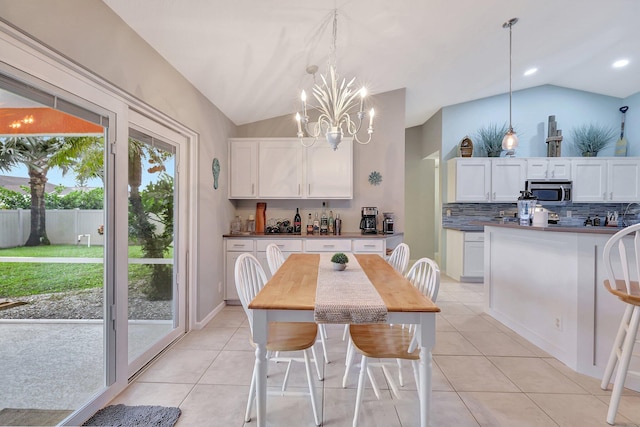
x=337, y=101
x=510, y=140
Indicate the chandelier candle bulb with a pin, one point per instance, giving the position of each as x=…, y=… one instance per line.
x=363, y=94
x=303, y=96
x=371, y=114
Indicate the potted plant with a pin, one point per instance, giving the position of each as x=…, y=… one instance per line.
x=339, y=261
x=490, y=138
x=591, y=138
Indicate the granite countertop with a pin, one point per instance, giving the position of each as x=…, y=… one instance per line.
x=471, y=228
x=347, y=235
x=559, y=228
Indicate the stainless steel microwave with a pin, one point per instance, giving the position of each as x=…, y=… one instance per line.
x=550, y=192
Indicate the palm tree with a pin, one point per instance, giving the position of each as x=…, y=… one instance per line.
x=39, y=154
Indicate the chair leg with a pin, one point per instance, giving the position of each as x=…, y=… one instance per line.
x=416, y=375
x=252, y=395
x=323, y=336
x=348, y=362
x=312, y=389
x=400, y=378
x=617, y=347
x=345, y=333
x=363, y=370
x=315, y=362
x=374, y=383
x=623, y=366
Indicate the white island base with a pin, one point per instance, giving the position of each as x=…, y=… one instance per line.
x=547, y=285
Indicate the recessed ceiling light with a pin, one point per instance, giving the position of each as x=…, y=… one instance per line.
x=530, y=71
x=621, y=63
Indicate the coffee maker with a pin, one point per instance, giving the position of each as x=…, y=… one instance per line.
x=369, y=221
x=387, y=223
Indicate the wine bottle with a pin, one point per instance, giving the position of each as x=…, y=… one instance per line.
x=297, y=222
x=310, y=225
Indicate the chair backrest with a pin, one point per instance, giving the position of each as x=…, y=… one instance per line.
x=619, y=258
x=399, y=258
x=425, y=275
x=275, y=258
x=250, y=279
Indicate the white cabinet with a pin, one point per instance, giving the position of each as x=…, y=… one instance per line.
x=546, y=168
x=329, y=173
x=589, y=178
x=327, y=245
x=623, y=180
x=233, y=249
x=508, y=178
x=243, y=169
x=477, y=180
x=280, y=169
x=465, y=255
x=368, y=246
x=469, y=180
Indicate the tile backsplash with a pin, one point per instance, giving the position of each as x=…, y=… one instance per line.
x=461, y=214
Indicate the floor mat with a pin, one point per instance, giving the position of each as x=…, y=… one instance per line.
x=32, y=417
x=130, y=416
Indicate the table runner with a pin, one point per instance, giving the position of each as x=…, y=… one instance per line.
x=346, y=296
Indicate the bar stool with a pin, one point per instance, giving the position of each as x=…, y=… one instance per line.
x=619, y=258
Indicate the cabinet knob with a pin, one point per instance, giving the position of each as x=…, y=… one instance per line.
x=253, y=187
x=494, y=195
x=487, y=197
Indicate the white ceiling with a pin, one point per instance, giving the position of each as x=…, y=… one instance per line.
x=249, y=56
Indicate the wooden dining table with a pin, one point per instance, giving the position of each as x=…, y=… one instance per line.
x=290, y=296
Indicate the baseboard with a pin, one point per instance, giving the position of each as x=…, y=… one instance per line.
x=201, y=324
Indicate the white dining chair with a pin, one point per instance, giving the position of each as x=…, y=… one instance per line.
x=620, y=255
x=283, y=336
x=275, y=259
x=399, y=258
x=381, y=341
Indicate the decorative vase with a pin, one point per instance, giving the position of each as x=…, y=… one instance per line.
x=589, y=154
x=338, y=266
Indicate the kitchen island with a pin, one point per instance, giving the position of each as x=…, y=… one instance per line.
x=546, y=284
x=256, y=244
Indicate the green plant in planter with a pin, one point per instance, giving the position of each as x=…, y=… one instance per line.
x=490, y=138
x=339, y=258
x=591, y=138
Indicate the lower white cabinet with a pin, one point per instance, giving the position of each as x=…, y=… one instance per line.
x=236, y=246
x=465, y=255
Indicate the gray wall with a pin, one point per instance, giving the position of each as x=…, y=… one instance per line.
x=89, y=33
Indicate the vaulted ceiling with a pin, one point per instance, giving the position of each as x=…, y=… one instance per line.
x=249, y=57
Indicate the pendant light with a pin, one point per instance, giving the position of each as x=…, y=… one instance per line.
x=510, y=140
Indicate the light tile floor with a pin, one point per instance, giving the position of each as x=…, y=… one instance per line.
x=483, y=375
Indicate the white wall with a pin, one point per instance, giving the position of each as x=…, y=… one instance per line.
x=89, y=33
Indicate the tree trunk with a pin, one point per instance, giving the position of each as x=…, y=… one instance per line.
x=38, y=234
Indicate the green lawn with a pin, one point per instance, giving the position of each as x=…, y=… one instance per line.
x=28, y=278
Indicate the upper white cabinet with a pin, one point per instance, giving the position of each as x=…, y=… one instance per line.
x=282, y=168
x=477, y=180
x=623, y=179
x=329, y=173
x=243, y=169
x=469, y=180
x=508, y=177
x=606, y=180
x=546, y=168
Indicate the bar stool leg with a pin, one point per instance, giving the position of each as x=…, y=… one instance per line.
x=623, y=366
x=617, y=347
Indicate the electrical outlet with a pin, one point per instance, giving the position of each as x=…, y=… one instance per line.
x=448, y=212
x=501, y=213
x=568, y=214
x=558, y=323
